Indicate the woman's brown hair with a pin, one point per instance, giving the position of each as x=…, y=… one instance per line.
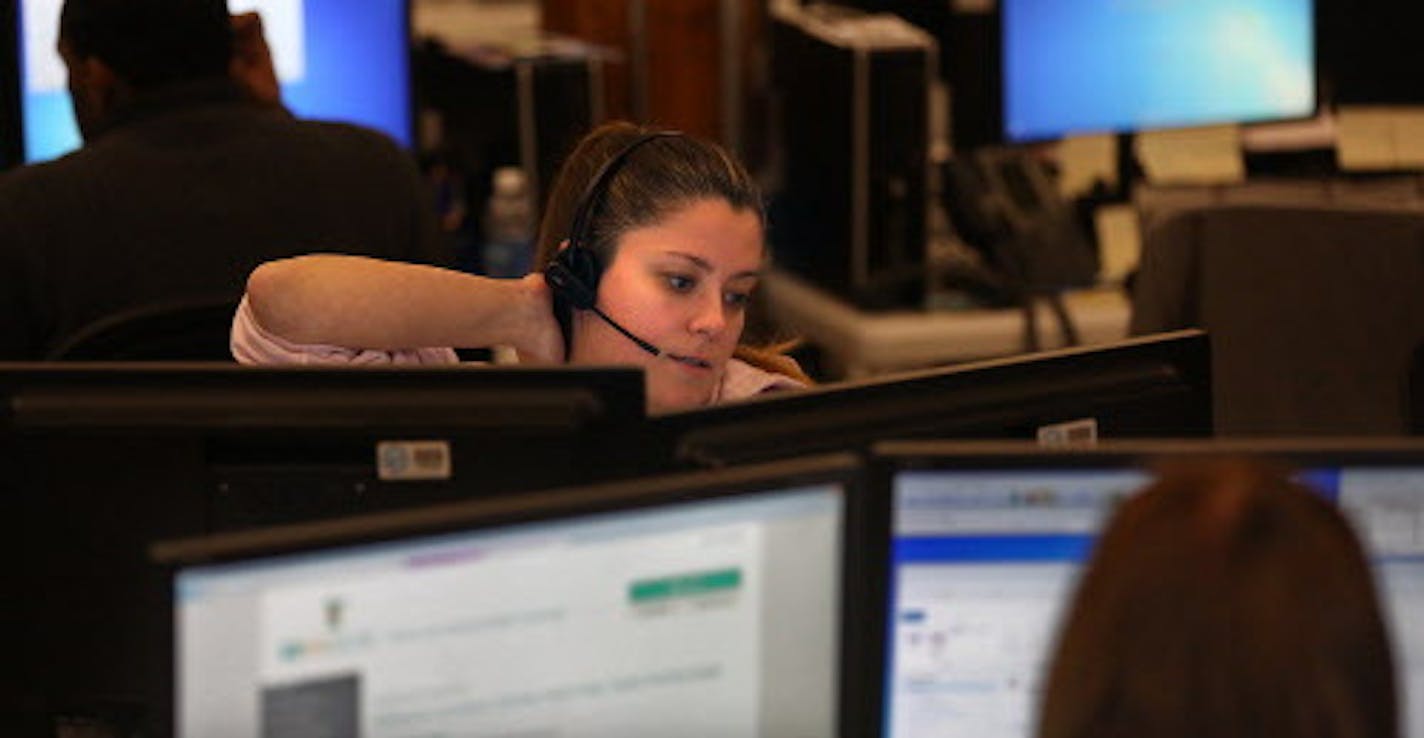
x=662, y=176
x=1225, y=600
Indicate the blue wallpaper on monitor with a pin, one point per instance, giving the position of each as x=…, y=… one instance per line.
x=356, y=69
x=1119, y=65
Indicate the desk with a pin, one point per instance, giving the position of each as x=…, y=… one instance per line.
x=859, y=344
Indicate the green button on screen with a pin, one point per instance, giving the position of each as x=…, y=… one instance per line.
x=684, y=585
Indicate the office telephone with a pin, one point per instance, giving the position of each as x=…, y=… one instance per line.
x=1004, y=203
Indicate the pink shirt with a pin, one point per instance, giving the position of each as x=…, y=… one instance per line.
x=252, y=344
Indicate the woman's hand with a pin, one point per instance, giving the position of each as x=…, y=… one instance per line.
x=541, y=341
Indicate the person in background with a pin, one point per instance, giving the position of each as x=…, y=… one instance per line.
x=191, y=174
x=1225, y=600
x=668, y=248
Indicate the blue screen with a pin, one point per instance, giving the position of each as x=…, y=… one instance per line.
x=1083, y=66
x=340, y=60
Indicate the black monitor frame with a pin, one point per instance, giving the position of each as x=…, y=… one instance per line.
x=639, y=494
x=1152, y=386
x=11, y=126
x=886, y=460
x=102, y=459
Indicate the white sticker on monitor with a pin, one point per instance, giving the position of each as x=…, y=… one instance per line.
x=1081, y=432
x=401, y=461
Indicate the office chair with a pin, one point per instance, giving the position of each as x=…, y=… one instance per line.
x=1314, y=312
x=184, y=330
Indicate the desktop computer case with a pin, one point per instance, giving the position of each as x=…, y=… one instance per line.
x=499, y=109
x=558, y=99
x=854, y=94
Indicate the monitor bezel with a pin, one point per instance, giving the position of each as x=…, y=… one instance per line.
x=12, y=136
x=763, y=427
x=649, y=493
x=231, y=398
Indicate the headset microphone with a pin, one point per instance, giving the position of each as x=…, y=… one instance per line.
x=574, y=273
x=578, y=294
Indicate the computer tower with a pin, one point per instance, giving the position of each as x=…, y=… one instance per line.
x=851, y=209
x=694, y=65
x=499, y=109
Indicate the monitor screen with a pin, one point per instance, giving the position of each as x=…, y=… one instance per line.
x=1155, y=386
x=341, y=60
x=708, y=602
x=986, y=550
x=1089, y=66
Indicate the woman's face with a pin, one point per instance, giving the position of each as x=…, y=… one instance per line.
x=682, y=285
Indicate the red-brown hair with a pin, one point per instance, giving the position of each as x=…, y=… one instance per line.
x=1225, y=600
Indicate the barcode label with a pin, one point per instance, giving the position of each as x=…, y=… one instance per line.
x=409, y=460
x=1081, y=432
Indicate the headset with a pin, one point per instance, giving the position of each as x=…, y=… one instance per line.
x=574, y=272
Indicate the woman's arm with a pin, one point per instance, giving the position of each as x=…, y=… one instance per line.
x=368, y=303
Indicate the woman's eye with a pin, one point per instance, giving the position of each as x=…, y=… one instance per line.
x=681, y=283
x=737, y=299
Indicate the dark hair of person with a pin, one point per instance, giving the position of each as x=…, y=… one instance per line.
x=151, y=43
x=660, y=177
x=1225, y=600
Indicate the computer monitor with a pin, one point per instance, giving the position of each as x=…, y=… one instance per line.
x=10, y=143
x=342, y=60
x=1089, y=66
x=705, y=604
x=1156, y=386
x=102, y=459
x=987, y=543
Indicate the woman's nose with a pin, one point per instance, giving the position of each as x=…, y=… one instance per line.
x=710, y=317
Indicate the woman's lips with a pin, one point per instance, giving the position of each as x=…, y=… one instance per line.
x=691, y=361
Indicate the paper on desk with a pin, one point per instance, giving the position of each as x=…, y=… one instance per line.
x=1380, y=137
x=1083, y=160
x=1208, y=155
x=1409, y=138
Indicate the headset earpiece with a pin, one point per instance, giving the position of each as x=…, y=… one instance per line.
x=573, y=275
x=574, y=272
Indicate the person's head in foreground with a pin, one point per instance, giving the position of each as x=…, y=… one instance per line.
x=670, y=245
x=117, y=50
x=1224, y=600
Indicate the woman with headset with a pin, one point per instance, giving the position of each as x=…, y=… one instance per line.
x=649, y=251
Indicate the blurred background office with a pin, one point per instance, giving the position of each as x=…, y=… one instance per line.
x=950, y=180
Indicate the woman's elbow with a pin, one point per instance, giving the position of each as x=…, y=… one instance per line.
x=275, y=296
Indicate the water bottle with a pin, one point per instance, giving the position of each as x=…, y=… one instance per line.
x=508, y=225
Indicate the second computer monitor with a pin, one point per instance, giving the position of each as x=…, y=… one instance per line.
x=342, y=60
x=1153, y=386
x=702, y=605
x=987, y=544
x=1092, y=66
